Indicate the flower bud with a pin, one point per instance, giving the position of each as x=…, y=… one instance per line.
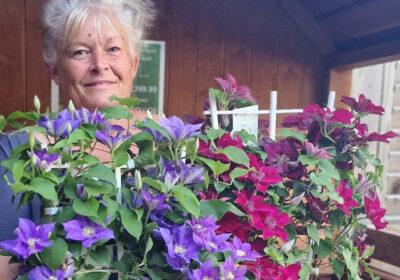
x=31, y=140
x=196, y=145
x=36, y=103
x=71, y=107
x=149, y=115
x=138, y=180
x=69, y=128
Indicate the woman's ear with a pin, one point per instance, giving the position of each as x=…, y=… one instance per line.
x=135, y=65
x=53, y=72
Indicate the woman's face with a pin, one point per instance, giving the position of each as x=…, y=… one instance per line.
x=95, y=64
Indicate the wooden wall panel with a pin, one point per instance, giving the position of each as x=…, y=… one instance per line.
x=12, y=56
x=209, y=50
x=180, y=99
x=37, y=79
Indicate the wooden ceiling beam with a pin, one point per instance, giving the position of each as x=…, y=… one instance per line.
x=363, y=18
x=366, y=56
x=303, y=18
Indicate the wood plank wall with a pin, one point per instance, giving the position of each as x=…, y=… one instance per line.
x=252, y=39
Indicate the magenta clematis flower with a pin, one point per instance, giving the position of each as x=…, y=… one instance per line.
x=316, y=152
x=60, y=127
x=177, y=130
x=234, y=91
x=31, y=239
x=263, y=268
x=180, y=245
x=346, y=194
x=242, y=251
x=250, y=202
x=317, y=208
x=231, y=272
x=206, y=271
x=112, y=142
x=226, y=140
x=291, y=272
x=230, y=223
x=340, y=115
x=363, y=105
x=381, y=137
x=374, y=210
x=261, y=175
x=271, y=222
x=87, y=231
x=44, y=273
x=43, y=159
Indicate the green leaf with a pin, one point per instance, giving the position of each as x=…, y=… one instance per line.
x=308, y=160
x=94, y=188
x=61, y=144
x=321, y=180
x=131, y=221
x=45, y=188
x=130, y=102
x=86, y=208
x=66, y=214
x=368, y=252
x=101, y=255
x=101, y=172
x=91, y=276
x=218, y=208
x=323, y=249
x=305, y=271
x=312, y=232
x=326, y=166
x=77, y=135
x=2, y=122
x=220, y=187
x=153, y=125
x=328, y=232
x=155, y=184
x=116, y=112
x=187, y=199
x=338, y=268
x=236, y=155
x=19, y=187
x=149, y=245
x=293, y=134
x=336, y=218
x=18, y=170
x=54, y=255
x=351, y=261
x=213, y=133
x=217, y=167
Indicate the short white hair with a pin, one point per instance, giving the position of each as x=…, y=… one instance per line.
x=60, y=17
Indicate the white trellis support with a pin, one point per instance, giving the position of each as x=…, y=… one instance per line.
x=249, y=123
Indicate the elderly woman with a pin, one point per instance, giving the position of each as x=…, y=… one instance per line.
x=91, y=49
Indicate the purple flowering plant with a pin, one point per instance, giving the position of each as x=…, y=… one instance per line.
x=184, y=201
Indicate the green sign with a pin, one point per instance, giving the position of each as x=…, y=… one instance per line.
x=148, y=85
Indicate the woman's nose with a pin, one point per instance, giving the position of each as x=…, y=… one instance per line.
x=99, y=63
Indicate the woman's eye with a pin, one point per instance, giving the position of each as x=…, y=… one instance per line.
x=114, y=49
x=79, y=53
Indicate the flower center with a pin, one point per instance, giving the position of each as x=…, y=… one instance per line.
x=199, y=228
x=88, y=232
x=230, y=275
x=241, y=253
x=212, y=245
x=206, y=278
x=179, y=249
x=31, y=243
x=250, y=205
x=52, y=278
x=270, y=222
x=258, y=175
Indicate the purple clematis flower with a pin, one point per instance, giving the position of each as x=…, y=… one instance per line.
x=206, y=271
x=83, y=115
x=87, y=231
x=43, y=160
x=242, y=251
x=189, y=174
x=364, y=183
x=60, y=127
x=231, y=271
x=180, y=245
x=177, y=130
x=316, y=152
x=44, y=273
x=169, y=176
x=155, y=202
x=30, y=239
x=216, y=243
x=157, y=136
x=202, y=227
x=113, y=142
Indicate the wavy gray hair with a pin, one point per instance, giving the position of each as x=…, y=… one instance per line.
x=61, y=17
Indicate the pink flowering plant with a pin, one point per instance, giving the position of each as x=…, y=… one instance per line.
x=186, y=201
